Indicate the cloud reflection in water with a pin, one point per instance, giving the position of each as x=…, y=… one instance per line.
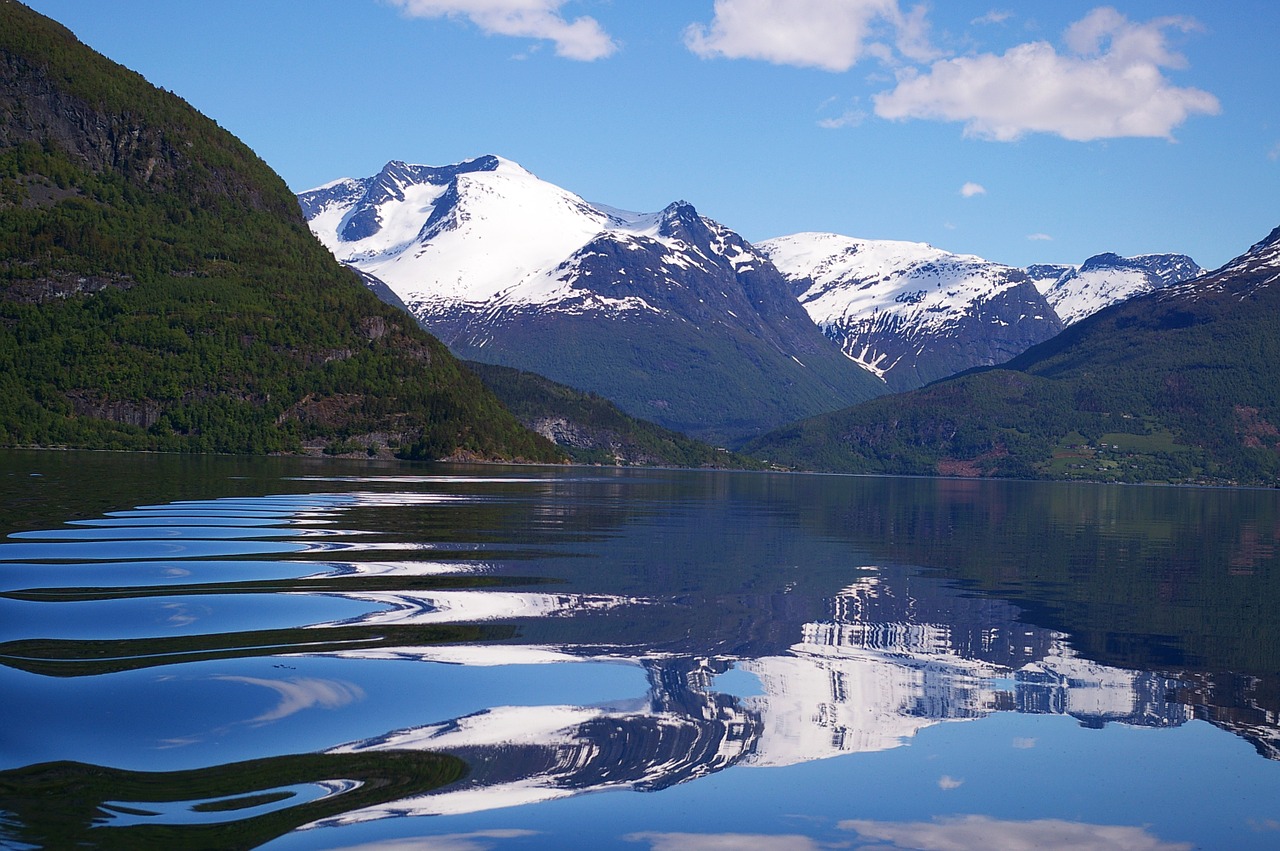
x=982, y=833
x=299, y=693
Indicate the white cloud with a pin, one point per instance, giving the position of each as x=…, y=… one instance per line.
x=995, y=16
x=966, y=833
x=582, y=38
x=913, y=36
x=946, y=782
x=1022, y=742
x=1039, y=237
x=1274, y=153
x=1109, y=84
x=829, y=34
x=851, y=117
x=971, y=189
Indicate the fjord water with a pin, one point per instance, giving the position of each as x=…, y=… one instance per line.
x=228, y=653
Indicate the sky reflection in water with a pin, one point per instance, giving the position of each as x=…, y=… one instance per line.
x=781, y=662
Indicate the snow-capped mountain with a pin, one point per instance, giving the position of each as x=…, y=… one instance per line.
x=671, y=315
x=1105, y=279
x=909, y=312
x=480, y=233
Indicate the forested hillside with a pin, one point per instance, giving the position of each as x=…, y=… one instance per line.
x=1180, y=385
x=159, y=288
x=593, y=430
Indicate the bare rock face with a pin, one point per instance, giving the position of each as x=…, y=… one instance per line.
x=83, y=115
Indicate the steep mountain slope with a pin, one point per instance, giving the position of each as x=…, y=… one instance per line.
x=909, y=312
x=591, y=429
x=1181, y=384
x=1105, y=279
x=159, y=290
x=671, y=315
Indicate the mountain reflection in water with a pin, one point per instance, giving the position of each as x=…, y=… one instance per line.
x=372, y=620
x=878, y=672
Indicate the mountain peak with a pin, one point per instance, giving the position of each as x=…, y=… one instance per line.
x=399, y=170
x=679, y=220
x=1257, y=265
x=1106, y=259
x=397, y=177
x=680, y=211
x=1272, y=240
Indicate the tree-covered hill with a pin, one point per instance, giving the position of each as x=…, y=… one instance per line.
x=592, y=430
x=1181, y=385
x=159, y=288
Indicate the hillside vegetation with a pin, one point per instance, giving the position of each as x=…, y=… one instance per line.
x=159, y=288
x=592, y=430
x=1181, y=385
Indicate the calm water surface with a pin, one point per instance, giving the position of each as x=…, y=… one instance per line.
x=301, y=654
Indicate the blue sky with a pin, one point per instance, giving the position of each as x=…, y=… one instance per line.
x=1023, y=132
